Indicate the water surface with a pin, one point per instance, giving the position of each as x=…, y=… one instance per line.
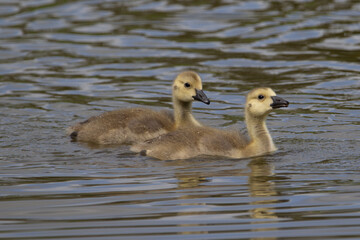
x=63, y=61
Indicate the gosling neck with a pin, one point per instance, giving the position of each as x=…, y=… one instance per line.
x=260, y=137
x=183, y=114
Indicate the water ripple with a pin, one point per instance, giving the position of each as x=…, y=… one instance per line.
x=64, y=61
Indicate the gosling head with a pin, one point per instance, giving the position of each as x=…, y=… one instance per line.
x=261, y=101
x=187, y=87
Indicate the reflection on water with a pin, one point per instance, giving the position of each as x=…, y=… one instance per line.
x=261, y=186
x=63, y=61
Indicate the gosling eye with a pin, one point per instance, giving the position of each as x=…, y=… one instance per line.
x=187, y=85
x=261, y=97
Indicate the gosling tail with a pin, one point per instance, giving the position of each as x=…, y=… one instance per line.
x=73, y=136
x=143, y=152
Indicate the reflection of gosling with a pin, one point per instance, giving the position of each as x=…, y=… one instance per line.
x=187, y=142
x=139, y=124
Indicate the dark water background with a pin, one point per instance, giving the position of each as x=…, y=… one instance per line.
x=63, y=61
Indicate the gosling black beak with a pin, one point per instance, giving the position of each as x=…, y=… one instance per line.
x=278, y=102
x=201, y=96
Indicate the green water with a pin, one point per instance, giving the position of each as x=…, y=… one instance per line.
x=64, y=61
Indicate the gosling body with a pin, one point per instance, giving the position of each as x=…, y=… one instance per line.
x=189, y=142
x=125, y=126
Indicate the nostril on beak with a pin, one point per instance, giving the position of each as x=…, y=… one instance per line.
x=278, y=102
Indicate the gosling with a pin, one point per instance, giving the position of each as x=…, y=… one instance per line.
x=125, y=126
x=189, y=142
